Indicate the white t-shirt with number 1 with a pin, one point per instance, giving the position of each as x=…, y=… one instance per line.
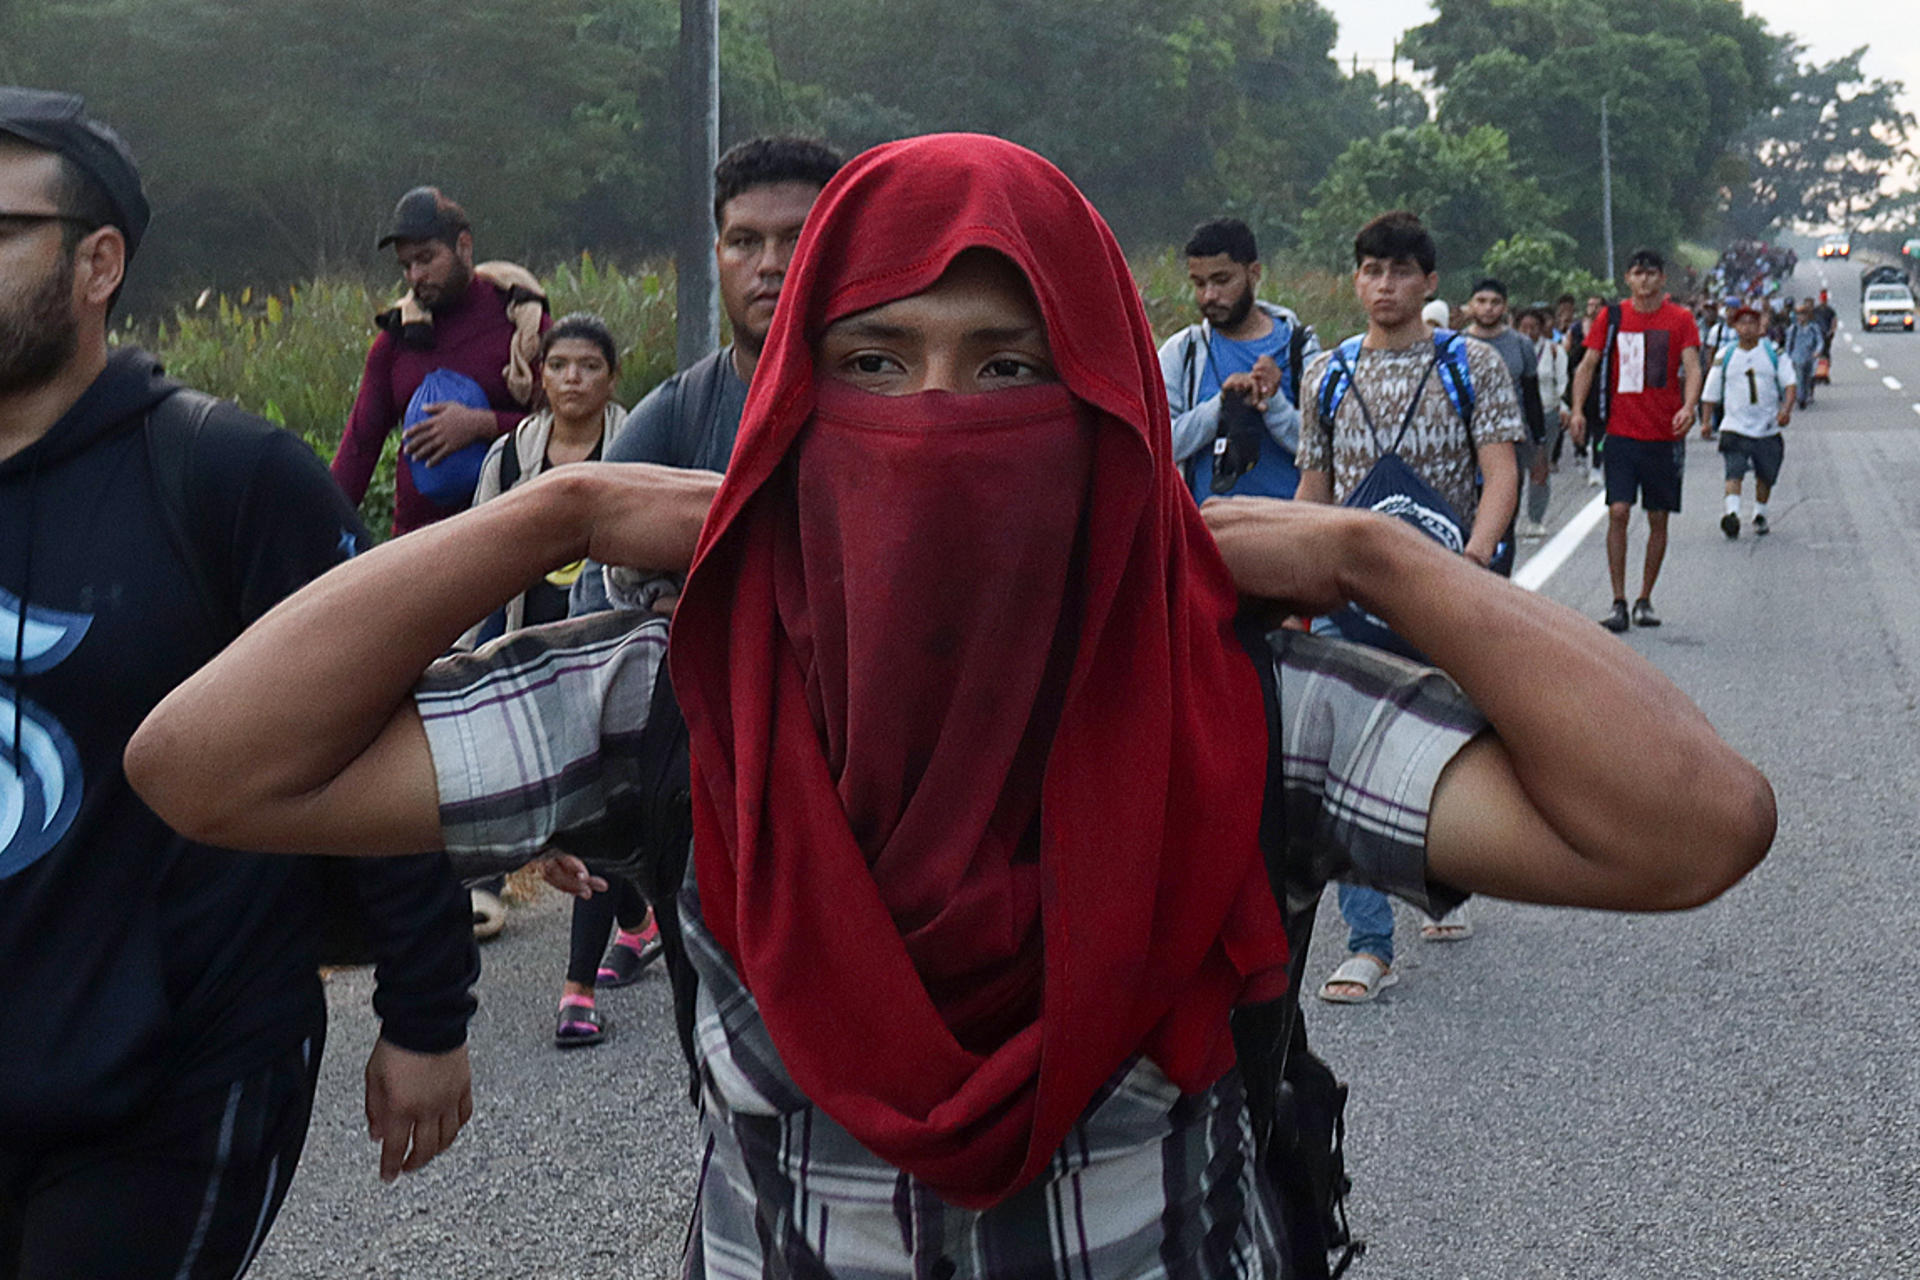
x=1751, y=386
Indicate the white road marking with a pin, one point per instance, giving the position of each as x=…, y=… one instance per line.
x=1916, y=408
x=1892, y=383
x=1545, y=562
x=1871, y=363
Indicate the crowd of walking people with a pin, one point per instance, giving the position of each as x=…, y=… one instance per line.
x=923, y=686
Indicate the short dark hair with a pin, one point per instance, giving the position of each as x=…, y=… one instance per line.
x=1648, y=258
x=1566, y=300
x=1487, y=284
x=1223, y=235
x=78, y=196
x=1398, y=236
x=586, y=326
x=761, y=162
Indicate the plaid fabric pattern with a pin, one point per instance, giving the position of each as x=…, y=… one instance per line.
x=1149, y=1184
x=533, y=735
x=537, y=733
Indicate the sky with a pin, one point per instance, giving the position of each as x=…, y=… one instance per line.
x=1891, y=29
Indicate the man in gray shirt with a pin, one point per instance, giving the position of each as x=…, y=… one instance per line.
x=1487, y=320
x=763, y=189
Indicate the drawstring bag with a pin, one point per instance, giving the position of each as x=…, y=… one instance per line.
x=451, y=481
x=1394, y=488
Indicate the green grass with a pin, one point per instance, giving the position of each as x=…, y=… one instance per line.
x=295, y=357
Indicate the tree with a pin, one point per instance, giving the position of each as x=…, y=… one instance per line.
x=1821, y=156
x=1540, y=266
x=1464, y=186
x=1682, y=78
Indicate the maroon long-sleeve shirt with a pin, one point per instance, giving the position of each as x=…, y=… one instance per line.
x=470, y=337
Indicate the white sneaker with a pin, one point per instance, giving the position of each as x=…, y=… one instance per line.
x=1532, y=529
x=1593, y=478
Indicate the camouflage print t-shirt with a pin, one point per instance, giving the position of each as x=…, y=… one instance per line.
x=1437, y=444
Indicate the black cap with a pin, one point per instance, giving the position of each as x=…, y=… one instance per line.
x=425, y=214
x=58, y=122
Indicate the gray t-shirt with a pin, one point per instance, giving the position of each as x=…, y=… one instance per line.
x=688, y=421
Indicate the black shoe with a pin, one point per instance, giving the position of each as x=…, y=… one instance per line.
x=1759, y=526
x=1730, y=525
x=1643, y=614
x=1616, y=621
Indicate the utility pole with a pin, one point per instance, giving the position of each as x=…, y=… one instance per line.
x=1393, y=87
x=697, y=290
x=1606, y=188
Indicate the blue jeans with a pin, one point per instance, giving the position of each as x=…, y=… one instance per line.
x=1369, y=918
x=1803, y=373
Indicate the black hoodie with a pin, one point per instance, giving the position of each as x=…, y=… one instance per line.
x=130, y=959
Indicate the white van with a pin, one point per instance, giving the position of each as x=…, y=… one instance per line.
x=1887, y=306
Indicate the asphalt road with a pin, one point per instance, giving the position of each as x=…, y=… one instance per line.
x=1730, y=1092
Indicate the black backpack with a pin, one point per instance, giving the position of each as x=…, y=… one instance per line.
x=1296, y=1104
x=174, y=429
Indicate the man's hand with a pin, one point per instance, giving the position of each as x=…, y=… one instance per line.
x=569, y=875
x=420, y=1099
x=1577, y=427
x=1289, y=552
x=1266, y=375
x=1683, y=420
x=1706, y=420
x=447, y=429
x=1785, y=416
x=1247, y=387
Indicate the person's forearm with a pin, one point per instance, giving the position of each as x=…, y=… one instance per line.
x=308, y=690
x=1625, y=770
x=1195, y=428
x=1582, y=384
x=1315, y=486
x=1499, y=499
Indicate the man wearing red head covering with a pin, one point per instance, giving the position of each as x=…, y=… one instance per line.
x=978, y=763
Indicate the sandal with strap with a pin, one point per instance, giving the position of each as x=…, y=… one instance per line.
x=1362, y=971
x=578, y=1026
x=624, y=963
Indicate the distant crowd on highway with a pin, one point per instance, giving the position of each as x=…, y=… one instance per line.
x=962, y=696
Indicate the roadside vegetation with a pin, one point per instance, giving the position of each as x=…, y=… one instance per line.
x=294, y=355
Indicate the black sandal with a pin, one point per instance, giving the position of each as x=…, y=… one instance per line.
x=578, y=1026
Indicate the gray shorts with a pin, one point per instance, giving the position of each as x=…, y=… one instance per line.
x=1762, y=453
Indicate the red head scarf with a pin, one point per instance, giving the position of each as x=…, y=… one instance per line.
x=978, y=761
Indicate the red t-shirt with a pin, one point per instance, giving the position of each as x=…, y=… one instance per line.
x=1647, y=385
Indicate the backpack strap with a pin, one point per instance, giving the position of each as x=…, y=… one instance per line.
x=1296, y=358
x=1263, y=1034
x=697, y=411
x=1456, y=374
x=510, y=461
x=1607, y=357
x=664, y=767
x=173, y=430
x=1336, y=382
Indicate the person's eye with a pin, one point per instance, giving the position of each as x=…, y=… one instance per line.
x=871, y=364
x=1013, y=368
